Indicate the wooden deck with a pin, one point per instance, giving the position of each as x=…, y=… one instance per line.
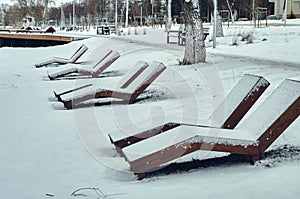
x=34, y=39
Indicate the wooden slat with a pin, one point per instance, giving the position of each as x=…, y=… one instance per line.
x=257, y=90
x=119, y=144
x=279, y=126
x=39, y=37
x=155, y=160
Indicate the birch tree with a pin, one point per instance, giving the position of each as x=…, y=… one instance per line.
x=169, y=23
x=46, y=4
x=219, y=27
x=230, y=10
x=195, y=51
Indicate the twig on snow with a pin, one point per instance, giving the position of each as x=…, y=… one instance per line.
x=98, y=191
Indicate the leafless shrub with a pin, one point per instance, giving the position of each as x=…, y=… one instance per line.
x=234, y=40
x=128, y=33
x=250, y=38
x=120, y=32
x=247, y=36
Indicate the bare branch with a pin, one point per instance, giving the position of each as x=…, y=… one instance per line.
x=98, y=192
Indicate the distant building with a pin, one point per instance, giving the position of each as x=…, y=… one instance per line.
x=293, y=7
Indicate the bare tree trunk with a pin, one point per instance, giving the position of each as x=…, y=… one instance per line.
x=195, y=51
x=219, y=27
x=230, y=10
x=169, y=23
x=45, y=11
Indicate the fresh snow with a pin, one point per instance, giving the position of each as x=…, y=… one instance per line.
x=234, y=98
x=187, y=134
x=61, y=60
x=46, y=149
x=269, y=111
x=144, y=77
x=147, y=73
x=246, y=135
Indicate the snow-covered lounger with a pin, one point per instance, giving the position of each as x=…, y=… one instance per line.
x=105, y=60
x=253, y=138
x=227, y=115
x=129, y=88
x=59, y=60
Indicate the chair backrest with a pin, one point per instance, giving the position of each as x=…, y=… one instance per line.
x=239, y=101
x=130, y=76
x=105, y=60
x=141, y=78
x=80, y=51
x=275, y=114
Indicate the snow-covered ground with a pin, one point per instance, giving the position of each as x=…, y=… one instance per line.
x=49, y=152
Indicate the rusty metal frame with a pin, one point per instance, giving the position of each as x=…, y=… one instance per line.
x=255, y=150
x=244, y=106
x=129, y=97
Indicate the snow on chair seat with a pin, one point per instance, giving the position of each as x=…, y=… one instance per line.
x=81, y=89
x=227, y=115
x=130, y=86
x=180, y=141
x=269, y=120
x=59, y=60
x=104, y=61
x=90, y=87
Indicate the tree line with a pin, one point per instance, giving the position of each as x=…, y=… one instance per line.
x=91, y=11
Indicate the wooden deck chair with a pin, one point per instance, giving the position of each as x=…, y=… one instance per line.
x=94, y=69
x=131, y=86
x=59, y=60
x=253, y=138
x=137, y=69
x=234, y=107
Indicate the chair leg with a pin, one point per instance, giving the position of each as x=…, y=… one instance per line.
x=140, y=176
x=254, y=158
x=68, y=104
x=62, y=75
